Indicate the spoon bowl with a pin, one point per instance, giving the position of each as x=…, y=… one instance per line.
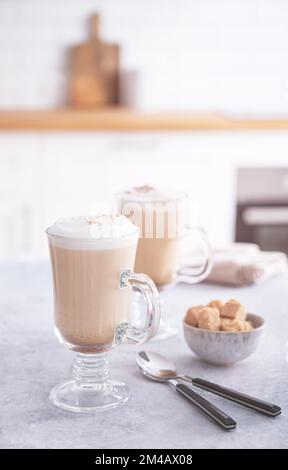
x=156, y=366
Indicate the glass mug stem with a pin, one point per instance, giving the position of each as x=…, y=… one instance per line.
x=188, y=273
x=90, y=370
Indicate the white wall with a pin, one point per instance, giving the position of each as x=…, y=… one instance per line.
x=205, y=54
x=49, y=175
x=215, y=54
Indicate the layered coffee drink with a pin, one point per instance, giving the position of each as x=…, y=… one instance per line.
x=159, y=216
x=88, y=256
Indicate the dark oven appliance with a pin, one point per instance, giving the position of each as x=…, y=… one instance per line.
x=262, y=208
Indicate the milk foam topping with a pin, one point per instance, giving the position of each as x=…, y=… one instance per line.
x=148, y=193
x=88, y=231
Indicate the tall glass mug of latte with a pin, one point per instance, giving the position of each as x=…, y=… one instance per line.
x=161, y=216
x=162, y=219
x=92, y=262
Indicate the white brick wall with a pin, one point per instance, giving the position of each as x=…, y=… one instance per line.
x=215, y=54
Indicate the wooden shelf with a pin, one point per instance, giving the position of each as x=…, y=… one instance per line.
x=117, y=119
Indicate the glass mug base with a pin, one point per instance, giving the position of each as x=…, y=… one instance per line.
x=90, y=390
x=99, y=397
x=165, y=331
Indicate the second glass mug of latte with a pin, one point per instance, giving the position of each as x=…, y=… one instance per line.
x=161, y=216
x=92, y=265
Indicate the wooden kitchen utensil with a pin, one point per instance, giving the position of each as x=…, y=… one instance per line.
x=94, y=70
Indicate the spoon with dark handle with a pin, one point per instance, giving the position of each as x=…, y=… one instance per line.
x=208, y=408
x=156, y=364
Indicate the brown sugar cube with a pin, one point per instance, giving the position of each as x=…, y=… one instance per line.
x=234, y=310
x=216, y=303
x=228, y=324
x=232, y=324
x=248, y=326
x=192, y=315
x=209, y=318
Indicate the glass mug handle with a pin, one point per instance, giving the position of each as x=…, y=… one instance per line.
x=128, y=333
x=189, y=274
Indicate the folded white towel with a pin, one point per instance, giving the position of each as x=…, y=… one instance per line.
x=243, y=264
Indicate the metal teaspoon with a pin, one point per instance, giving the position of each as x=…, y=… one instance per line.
x=156, y=364
x=211, y=410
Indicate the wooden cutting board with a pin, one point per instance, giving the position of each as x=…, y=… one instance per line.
x=94, y=71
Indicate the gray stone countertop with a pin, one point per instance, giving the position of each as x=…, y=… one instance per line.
x=32, y=362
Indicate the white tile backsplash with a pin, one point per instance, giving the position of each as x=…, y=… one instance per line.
x=221, y=54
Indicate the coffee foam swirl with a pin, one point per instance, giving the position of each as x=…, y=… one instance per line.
x=99, y=231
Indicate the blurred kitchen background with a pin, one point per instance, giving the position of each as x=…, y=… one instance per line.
x=190, y=94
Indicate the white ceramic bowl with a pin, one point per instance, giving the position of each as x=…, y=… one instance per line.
x=224, y=348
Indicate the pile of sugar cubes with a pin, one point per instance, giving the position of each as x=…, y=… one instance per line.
x=229, y=316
